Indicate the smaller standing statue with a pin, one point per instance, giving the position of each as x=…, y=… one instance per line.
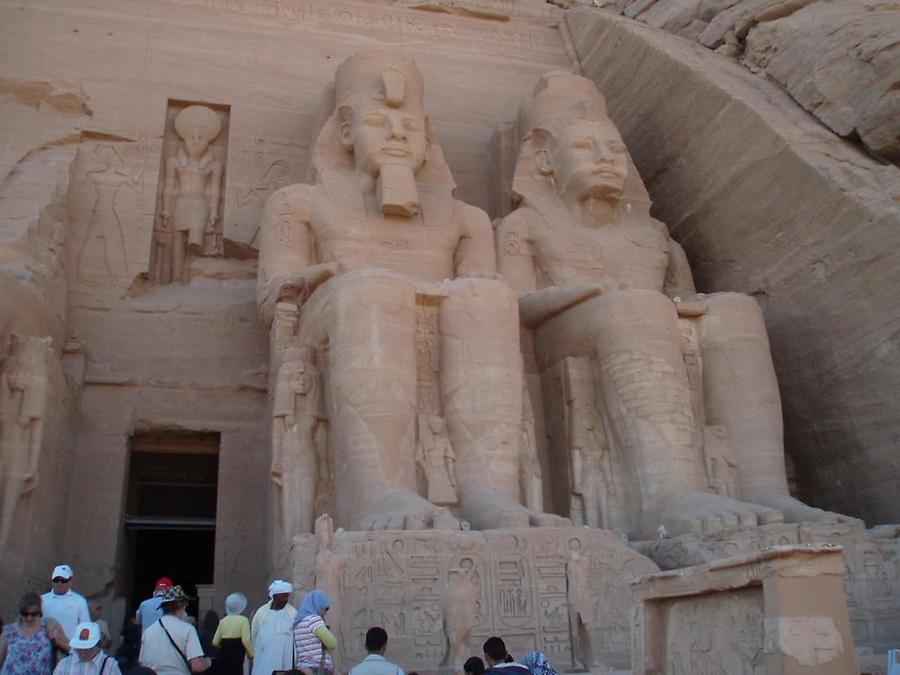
x=23, y=410
x=437, y=460
x=300, y=466
x=190, y=200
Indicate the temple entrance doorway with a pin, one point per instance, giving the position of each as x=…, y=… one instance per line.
x=170, y=513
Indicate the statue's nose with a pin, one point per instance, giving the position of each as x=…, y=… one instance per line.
x=397, y=130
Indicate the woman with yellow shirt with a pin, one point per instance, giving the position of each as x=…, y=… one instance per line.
x=233, y=637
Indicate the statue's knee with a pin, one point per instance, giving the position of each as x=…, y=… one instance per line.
x=734, y=313
x=368, y=289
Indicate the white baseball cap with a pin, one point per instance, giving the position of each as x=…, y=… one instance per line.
x=63, y=571
x=87, y=635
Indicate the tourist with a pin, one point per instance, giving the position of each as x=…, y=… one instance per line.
x=30, y=640
x=88, y=657
x=375, y=663
x=312, y=639
x=95, y=608
x=232, y=637
x=270, y=631
x=170, y=646
x=473, y=666
x=499, y=660
x=149, y=610
x=538, y=664
x=63, y=604
x=130, y=646
x=207, y=632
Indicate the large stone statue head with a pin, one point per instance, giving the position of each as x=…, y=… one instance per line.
x=377, y=129
x=571, y=151
x=379, y=99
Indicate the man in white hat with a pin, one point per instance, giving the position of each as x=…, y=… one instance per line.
x=63, y=604
x=271, y=631
x=88, y=658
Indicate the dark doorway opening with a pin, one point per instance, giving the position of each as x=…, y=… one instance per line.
x=170, y=514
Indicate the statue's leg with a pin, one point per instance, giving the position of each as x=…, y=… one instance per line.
x=741, y=394
x=646, y=396
x=481, y=393
x=365, y=321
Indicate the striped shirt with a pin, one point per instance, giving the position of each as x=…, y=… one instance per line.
x=308, y=647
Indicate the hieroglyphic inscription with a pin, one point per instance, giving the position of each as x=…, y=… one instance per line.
x=293, y=13
x=401, y=580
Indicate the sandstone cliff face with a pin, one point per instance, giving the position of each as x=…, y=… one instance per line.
x=839, y=59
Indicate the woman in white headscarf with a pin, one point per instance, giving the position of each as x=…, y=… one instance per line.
x=232, y=637
x=271, y=633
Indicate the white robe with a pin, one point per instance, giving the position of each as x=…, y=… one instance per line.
x=273, y=642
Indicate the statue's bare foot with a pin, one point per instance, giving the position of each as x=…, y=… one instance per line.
x=704, y=513
x=397, y=509
x=487, y=509
x=796, y=511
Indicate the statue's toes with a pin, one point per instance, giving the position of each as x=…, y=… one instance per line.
x=548, y=520
x=746, y=518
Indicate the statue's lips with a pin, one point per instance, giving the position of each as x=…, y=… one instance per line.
x=608, y=173
x=396, y=151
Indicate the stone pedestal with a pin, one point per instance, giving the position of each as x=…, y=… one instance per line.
x=780, y=612
x=871, y=559
x=401, y=580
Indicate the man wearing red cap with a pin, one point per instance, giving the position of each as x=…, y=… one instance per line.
x=150, y=611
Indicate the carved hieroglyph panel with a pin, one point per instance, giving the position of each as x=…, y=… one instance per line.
x=399, y=580
x=696, y=628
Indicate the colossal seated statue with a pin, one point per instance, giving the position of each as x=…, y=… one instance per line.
x=611, y=300
x=365, y=252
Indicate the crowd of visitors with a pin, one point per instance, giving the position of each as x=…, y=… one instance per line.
x=60, y=633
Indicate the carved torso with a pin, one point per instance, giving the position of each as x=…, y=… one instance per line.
x=636, y=254
x=193, y=179
x=422, y=250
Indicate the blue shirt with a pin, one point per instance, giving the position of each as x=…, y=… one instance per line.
x=376, y=664
x=149, y=612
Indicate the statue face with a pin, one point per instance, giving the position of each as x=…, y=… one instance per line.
x=301, y=382
x=195, y=145
x=380, y=135
x=588, y=160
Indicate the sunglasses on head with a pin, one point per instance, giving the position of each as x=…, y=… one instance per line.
x=28, y=614
x=60, y=580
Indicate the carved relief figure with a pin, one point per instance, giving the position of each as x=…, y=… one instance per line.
x=330, y=568
x=589, y=455
x=23, y=411
x=104, y=228
x=596, y=275
x=378, y=228
x=460, y=605
x=582, y=612
x=435, y=456
x=721, y=466
x=300, y=466
x=190, y=198
x=531, y=481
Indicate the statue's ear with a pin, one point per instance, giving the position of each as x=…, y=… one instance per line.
x=345, y=117
x=539, y=142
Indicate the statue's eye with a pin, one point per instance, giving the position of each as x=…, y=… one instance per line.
x=583, y=144
x=411, y=125
x=617, y=147
x=374, y=120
